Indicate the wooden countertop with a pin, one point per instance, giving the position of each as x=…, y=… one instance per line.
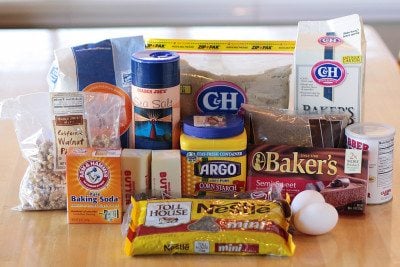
x=45, y=238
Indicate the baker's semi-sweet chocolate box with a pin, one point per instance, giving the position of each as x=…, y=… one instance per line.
x=340, y=175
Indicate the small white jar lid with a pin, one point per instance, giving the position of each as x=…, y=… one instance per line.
x=370, y=130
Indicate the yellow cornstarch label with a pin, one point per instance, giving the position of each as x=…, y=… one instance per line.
x=221, y=45
x=213, y=172
x=352, y=59
x=209, y=226
x=213, y=167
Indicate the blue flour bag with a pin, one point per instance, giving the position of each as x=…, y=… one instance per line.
x=98, y=67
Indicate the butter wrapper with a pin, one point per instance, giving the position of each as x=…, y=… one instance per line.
x=166, y=173
x=135, y=164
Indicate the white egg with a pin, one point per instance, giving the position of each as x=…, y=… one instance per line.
x=316, y=219
x=305, y=198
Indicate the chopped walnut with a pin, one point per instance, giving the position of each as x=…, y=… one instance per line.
x=43, y=188
x=105, y=141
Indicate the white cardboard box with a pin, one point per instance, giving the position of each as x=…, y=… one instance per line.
x=329, y=66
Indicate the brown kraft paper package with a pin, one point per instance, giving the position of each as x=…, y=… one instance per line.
x=340, y=175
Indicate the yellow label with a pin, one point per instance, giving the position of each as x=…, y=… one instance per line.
x=213, y=166
x=209, y=226
x=186, y=89
x=221, y=45
x=352, y=59
x=204, y=174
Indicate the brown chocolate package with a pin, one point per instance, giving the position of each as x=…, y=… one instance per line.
x=267, y=125
x=340, y=175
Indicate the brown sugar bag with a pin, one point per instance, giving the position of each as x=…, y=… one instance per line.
x=220, y=75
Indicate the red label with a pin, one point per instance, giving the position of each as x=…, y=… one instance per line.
x=351, y=143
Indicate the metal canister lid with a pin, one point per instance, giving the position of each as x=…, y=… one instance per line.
x=155, y=69
x=213, y=126
x=372, y=130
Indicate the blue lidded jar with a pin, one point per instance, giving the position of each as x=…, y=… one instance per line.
x=213, y=155
x=156, y=99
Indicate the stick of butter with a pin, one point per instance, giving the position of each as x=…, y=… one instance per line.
x=135, y=165
x=166, y=173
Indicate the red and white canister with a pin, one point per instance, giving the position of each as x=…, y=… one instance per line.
x=378, y=139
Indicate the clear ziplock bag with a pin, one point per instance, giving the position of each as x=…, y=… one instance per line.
x=43, y=186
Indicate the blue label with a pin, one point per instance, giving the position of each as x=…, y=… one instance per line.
x=153, y=128
x=217, y=169
x=207, y=154
x=220, y=96
x=53, y=75
x=94, y=63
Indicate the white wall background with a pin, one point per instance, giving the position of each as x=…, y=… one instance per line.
x=384, y=15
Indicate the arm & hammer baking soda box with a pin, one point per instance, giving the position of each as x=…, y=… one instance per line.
x=329, y=66
x=94, y=185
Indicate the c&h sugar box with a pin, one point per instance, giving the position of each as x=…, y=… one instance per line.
x=329, y=66
x=94, y=186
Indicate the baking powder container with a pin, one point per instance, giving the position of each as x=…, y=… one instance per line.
x=156, y=100
x=213, y=155
x=378, y=139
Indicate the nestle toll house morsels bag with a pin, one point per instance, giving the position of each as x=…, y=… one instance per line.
x=329, y=66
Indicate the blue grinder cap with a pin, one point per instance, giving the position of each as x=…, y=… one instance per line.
x=233, y=125
x=155, y=69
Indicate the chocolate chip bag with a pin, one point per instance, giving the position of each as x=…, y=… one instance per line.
x=209, y=226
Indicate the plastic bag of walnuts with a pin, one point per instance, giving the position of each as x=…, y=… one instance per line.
x=43, y=187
